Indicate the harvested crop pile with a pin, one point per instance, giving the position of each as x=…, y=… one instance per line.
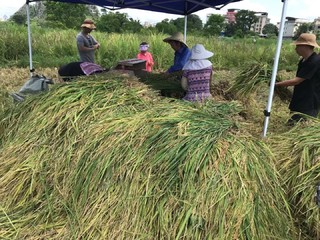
x=107, y=158
x=298, y=157
x=254, y=76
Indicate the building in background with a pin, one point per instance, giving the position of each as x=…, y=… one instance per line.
x=262, y=21
x=291, y=26
x=317, y=25
x=230, y=17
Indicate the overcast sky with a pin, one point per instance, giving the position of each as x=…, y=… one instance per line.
x=306, y=9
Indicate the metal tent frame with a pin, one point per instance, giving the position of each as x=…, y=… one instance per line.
x=267, y=112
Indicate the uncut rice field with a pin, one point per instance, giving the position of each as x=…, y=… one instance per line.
x=110, y=157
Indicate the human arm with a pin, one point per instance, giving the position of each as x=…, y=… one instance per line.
x=96, y=45
x=180, y=59
x=150, y=60
x=290, y=82
x=87, y=45
x=177, y=66
x=211, y=77
x=184, y=83
x=87, y=49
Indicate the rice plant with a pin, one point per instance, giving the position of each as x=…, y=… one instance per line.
x=52, y=48
x=254, y=76
x=108, y=158
x=298, y=160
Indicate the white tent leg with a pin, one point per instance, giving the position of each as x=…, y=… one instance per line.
x=185, y=28
x=275, y=68
x=29, y=40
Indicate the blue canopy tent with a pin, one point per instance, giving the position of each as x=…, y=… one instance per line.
x=180, y=7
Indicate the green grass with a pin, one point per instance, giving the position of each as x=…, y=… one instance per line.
x=52, y=48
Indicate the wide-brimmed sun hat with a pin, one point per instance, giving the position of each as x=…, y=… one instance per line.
x=178, y=36
x=88, y=23
x=307, y=39
x=198, y=52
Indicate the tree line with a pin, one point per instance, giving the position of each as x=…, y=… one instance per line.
x=69, y=16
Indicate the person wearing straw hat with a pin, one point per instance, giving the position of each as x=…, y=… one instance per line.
x=197, y=75
x=306, y=93
x=181, y=51
x=86, y=43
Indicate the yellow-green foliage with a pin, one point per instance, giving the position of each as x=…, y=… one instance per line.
x=54, y=47
x=107, y=158
x=298, y=157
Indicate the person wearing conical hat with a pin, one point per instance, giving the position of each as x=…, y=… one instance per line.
x=181, y=51
x=197, y=75
x=306, y=91
x=86, y=43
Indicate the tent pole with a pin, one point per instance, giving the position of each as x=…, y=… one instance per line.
x=29, y=40
x=275, y=68
x=185, y=28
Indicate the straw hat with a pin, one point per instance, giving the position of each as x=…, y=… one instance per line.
x=88, y=23
x=198, y=52
x=176, y=37
x=307, y=39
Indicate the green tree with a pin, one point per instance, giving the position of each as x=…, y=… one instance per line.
x=166, y=27
x=215, y=25
x=194, y=23
x=117, y=22
x=270, y=29
x=244, y=21
x=19, y=18
x=66, y=15
x=132, y=26
x=37, y=10
x=230, y=29
x=303, y=28
x=93, y=11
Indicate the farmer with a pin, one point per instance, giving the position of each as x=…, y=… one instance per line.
x=145, y=55
x=306, y=91
x=181, y=52
x=197, y=74
x=86, y=43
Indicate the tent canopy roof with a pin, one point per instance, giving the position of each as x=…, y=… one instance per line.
x=180, y=7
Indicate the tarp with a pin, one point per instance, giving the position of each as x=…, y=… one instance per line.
x=180, y=7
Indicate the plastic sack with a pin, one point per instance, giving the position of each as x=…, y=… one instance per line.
x=36, y=84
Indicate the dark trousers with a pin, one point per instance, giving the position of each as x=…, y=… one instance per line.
x=70, y=70
x=297, y=117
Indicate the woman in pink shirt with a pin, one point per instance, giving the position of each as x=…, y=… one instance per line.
x=145, y=55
